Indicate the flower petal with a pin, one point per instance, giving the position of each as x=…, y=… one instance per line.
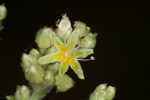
x=83, y=53
x=63, y=68
x=56, y=40
x=76, y=67
x=50, y=58
x=73, y=39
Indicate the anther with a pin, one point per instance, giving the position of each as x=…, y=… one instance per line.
x=92, y=58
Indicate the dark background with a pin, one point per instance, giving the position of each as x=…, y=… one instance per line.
x=122, y=52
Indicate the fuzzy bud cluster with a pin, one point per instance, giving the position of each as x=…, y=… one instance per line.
x=58, y=49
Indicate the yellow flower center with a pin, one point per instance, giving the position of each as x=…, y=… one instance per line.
x=65, y=54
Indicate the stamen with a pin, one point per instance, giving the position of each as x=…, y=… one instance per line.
x=91, y=58
x=83, y=59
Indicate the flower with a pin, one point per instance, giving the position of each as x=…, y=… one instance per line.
x=68, y=54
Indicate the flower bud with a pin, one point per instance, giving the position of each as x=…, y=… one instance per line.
x=89, y=41
x=110, y=93
x=10, y=98
x=63, y=83
x=34, y=53
x=33, y=71
x=49, y=77
x=3, y=12
x=83, y=29
x=28, y=60
x=102, y=92
x=43, y=38
x=54, y=67
x=34, y=74
x=22, y=93
x=64, y=28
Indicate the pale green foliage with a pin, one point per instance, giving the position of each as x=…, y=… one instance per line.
x=103, y=92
